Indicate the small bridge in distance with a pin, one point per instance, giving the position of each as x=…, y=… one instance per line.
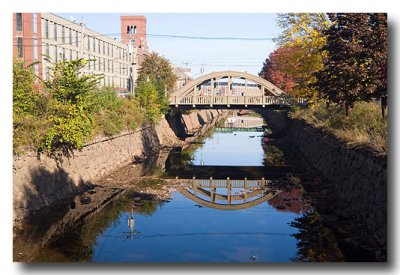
x=241, y=129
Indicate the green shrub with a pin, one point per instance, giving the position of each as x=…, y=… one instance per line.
x=148, y=98
x=70, y=127
x=29, y=109
x=28, y=132
x=103, y=98
x=70, y=109
x=133, y=116
x=126, y=115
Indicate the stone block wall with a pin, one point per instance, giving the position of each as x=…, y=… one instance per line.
x=354, y=184
x=197, y=122
x=357, y=180
x=40, y=180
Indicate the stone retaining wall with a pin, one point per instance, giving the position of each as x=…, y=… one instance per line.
x=197, y=122
x=41, y=180
x=354, y=185
x=359, y=186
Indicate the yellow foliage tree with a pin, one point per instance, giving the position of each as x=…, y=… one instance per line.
x=303, y=34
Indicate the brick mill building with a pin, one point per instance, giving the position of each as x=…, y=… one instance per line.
x=48, y=38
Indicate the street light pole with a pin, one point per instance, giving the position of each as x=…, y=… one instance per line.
x=81, y=44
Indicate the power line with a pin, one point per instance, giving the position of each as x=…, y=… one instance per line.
x=223, y=62
x=43, y=44
x=227, y=65
x=219, y=61
x=218, y=64
x=42, y=19
x=210, y=37
x=73, y=41
x=213, y=59
x=178, y=36
x=87, y=52
x=172, y=35
x=103, y=63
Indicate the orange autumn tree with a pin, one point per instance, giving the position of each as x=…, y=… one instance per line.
x=272, y=71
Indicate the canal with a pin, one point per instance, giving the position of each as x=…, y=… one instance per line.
x=231, y=197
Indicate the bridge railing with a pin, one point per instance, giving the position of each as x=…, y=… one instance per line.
x=235, y=100
x=228, y=183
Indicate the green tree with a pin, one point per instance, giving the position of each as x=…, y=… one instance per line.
x=68, y=84
x=147, y=95
x=68, y=89
x=159, y=72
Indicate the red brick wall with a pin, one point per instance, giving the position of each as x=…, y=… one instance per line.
x=27, y=39
x=139, y=36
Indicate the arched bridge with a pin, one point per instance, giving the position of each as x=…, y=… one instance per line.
x=204, y=192
x=226, y=89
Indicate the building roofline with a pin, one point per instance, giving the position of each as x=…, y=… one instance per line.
x=78, y=24
x=89, y=29
x=136, y=17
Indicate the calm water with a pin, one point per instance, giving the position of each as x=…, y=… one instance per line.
x=231, y=149
x=184, y=230
x=179, y=231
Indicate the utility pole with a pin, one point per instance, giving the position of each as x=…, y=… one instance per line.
x=132, y=53
x=202, y=68
x=81, y=44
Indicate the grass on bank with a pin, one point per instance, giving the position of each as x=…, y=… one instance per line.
x=363, y=126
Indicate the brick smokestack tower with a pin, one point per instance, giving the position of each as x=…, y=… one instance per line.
x=133, y=31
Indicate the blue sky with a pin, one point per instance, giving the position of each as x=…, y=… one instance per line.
x=212, y=55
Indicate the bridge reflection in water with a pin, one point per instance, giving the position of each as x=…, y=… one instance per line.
x=227, y=194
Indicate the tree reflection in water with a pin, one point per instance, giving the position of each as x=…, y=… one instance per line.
x=273, y=156
x=76, y=245
x=316, y=243
x=71, y=247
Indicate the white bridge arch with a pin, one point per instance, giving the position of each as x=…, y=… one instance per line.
x=206, y=92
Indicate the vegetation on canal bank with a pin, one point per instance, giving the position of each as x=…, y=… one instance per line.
x=362, y=126
x=339, y=62
x=66, y=110
x=69, y=108
x=339, y=58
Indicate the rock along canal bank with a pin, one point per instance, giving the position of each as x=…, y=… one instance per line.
x=41, y=181
x=352, y=194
